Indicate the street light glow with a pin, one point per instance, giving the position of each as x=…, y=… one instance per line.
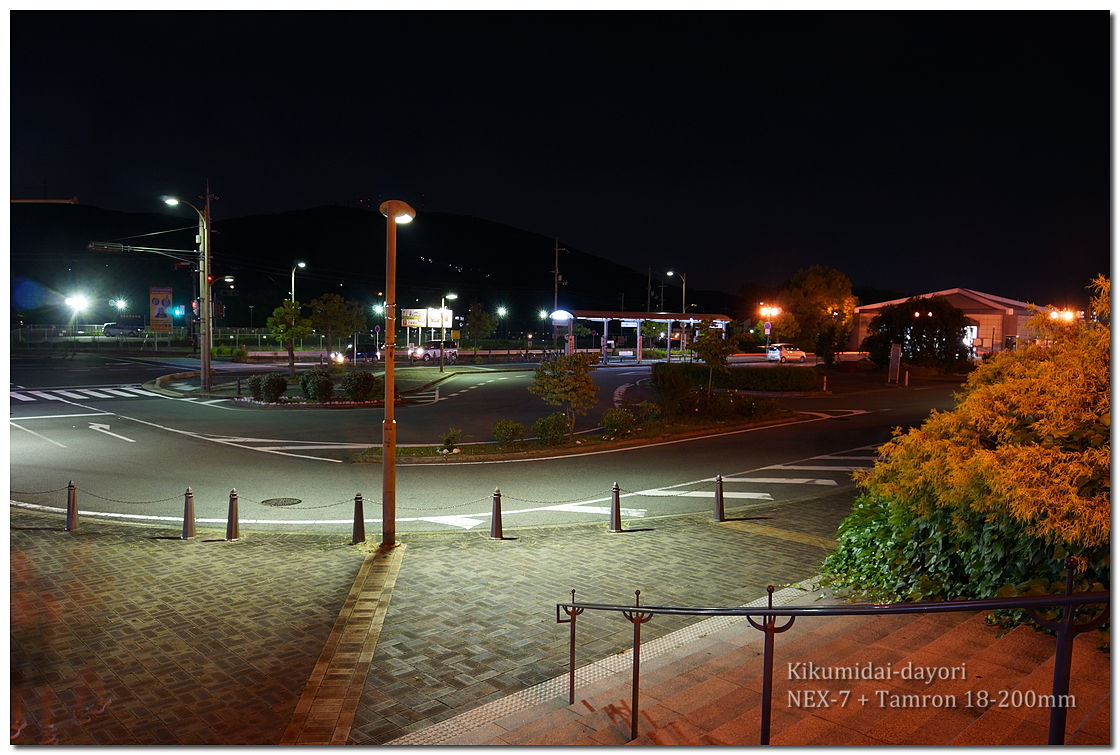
x=120, y=304
x=171, y=201
x=502, y=311
x=77, y=302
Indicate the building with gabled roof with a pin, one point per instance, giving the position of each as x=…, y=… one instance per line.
x=994, y=322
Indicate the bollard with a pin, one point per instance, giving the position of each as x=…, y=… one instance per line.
x=71, y=507
x=359, y=522
x=496, y=516
x=232, y=530
x=906, y=379
x=719, y=499
x=616, y=510
x=824, y=387
x=188, y=515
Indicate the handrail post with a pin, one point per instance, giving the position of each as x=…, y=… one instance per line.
x=719, y=517
x=71, y=507
x=616, y=510
x=496, y=516
x=188, y=515
x=637, y=618
x=572, y=613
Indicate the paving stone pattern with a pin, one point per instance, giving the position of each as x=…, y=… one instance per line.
x=473, y=620
x=127, y=635
x=124, y=634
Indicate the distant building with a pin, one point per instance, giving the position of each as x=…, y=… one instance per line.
x=994, y=322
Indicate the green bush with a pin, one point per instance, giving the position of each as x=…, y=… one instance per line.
x=506, y=431
x=273, y=386
x=670, y=385
x=361, y=385
x=308, y=380
x=451, y=438
x=254, y=386
x=617, y=422
x=240, y=354
x=551, y=430
x=649, y=413
x=725, y=406
x=321, y=388
x=667, y=378
x=946, y=555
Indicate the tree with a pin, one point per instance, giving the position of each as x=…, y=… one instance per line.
x=287, y=325
x=819, y=300
x=479, y=323
x=931, y=332
x=714, y=349
x=566, y=382
x=331, y=314
x=990, y=495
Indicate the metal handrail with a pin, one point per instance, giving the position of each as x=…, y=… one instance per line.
x=1065, y=629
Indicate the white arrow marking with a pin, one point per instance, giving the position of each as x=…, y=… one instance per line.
x=105, y=429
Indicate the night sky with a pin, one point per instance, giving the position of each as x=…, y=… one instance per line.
x=914, y=151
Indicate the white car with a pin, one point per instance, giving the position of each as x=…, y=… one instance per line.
x=784, y=352
x=432, y=349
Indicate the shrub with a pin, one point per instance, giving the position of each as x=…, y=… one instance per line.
x=551, y=430
x=506, y=431
x=670, y=385
x=308, y=380
x=451, y=439
x=618, y=422
x=321, y=388
x=254, y=386
x=273, y=386
x=361, y=385
x=240, y=354
x=649, y=413
x=667, y=379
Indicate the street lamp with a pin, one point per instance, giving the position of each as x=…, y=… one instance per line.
x=768, y=312
x=395, y=212
x=120, y=304
x=292, y=290
x=683, y=280
x=443, y=325
x=206, y=336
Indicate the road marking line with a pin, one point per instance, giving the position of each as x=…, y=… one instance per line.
x=848, y=458
x=105, y=429
x=811, y=468
x=142, y=392
x=37, y=435
x=69, y=394
x=94, y=394
x=62, y=416
x=20, y=397
x=116, y=392
x=463, y=522
x=47, y=396
x=783, y=534
x=703, y=494
x=778, y=480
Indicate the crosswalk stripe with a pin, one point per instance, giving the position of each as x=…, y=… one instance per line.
x=781, y=480
x=47, y=396
x=20, y=397
x=94, y=394
x=142, y=392
x=70, y=394
x=809, y=468
x=115, y=392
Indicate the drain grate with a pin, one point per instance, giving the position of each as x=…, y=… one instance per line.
x=281, y=501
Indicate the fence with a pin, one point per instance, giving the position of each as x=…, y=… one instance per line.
x=765, y=620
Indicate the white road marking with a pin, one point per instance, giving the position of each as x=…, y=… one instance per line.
x=105, y=429
x=142, y=392
x=47, y=396
x=69, y=394
x=94, y=394
x=66, y=416
x=778, y=480
x=811, y=468
x=657, y=493
x=37, y=435
x=117, y=392
x=20, y=397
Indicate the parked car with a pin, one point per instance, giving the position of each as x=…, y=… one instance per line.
x=784, y=352
x=430, y=350
x=122, y=329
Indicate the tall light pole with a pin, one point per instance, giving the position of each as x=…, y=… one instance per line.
x=442, y=327
x=684, y=309
x=206, y=336
x=395, y=212
x=768, y=312
x=292, y=290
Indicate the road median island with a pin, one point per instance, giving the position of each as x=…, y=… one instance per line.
x=587, y=444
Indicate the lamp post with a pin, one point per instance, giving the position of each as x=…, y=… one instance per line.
x=768, y=312
x=502, y=312
x=395, y=212
x=206, y=336
x=442, y=325
x=292, y=290
x=684, y=309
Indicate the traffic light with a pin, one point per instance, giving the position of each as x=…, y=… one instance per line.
x=194, y=307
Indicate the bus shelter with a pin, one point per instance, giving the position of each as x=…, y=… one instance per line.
x=563, y=318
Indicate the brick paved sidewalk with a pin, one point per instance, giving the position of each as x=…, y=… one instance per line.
x=124, y=634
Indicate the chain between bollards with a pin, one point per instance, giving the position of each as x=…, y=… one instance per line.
x=719, y=517
x=359, y=522
x=71, y=507
x=496, y=516
x=232, y=525
x=188, y=515
x=616, y=510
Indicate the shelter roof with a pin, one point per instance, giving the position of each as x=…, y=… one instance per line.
x=605, y=314
x=964, y=299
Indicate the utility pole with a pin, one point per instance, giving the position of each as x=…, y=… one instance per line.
x=649, y=286
x=556, y=275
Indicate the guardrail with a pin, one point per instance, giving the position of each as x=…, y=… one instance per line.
x=765, y=620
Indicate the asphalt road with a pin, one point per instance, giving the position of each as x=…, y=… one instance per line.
x=133, y=456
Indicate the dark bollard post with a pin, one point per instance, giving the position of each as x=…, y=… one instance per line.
x=719, y=499
x=359, y=522
x=188, y=515
x=232, y=527
x=616, y=510
x=496, y=516
x=71, y=507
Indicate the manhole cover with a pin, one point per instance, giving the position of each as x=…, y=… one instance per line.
x=281, y=501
